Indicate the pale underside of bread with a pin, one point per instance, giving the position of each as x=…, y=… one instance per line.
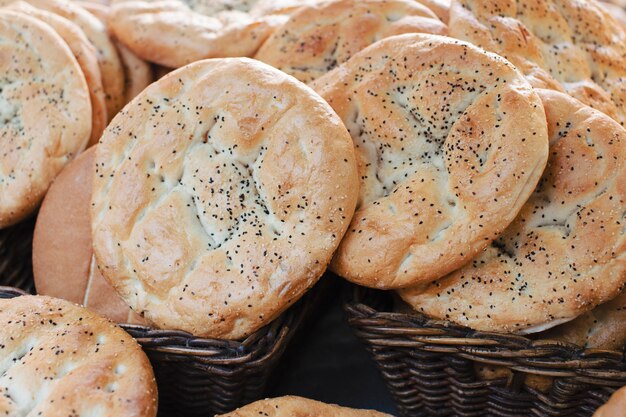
x=450, y=142
x=566, y=251
x=58, y=359
x=318, y=38
x=220, y=194
x=63, y=261
x=291, y=406
x=45, y=112
x=565, y=45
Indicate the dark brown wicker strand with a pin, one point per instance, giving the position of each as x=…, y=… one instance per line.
x=16, y=243
x=202, y=377
x=430, y=366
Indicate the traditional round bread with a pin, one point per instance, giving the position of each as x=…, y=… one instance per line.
x=566, y=251
x=45, y=112
x=604, y=327
x=566, y=45
x=615, y=407
x=85, y=55
x=174, y=33
x=267, y=7
x=450, y=142
x=292, y=406
x=110, y=65
x=63, y=261
x=221, y=193
x=317, y=38
x=59, y=359
x=138, y=74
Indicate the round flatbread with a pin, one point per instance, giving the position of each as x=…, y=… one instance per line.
x=296, y=406
x=45, y=112
x=138, y=74
x=108, y=60
x=318, y=38
x=220, y=194
x=615, y=406
x=567, y=45
x=604, y=327
x=566, y=251
x=85, y=55
x=63, y=261
x=450, y=142
x=174, y=33
x=59, y=359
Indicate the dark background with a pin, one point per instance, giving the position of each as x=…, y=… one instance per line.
x=326, y=361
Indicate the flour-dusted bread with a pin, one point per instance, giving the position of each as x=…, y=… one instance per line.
x=45, y=112
x=63, y=261
x=450, y=142
x=138, y=74
x=568, y=45
x=292, y=406
x=318, y=38
x=220, y=195
x=108, y=59
x=85, y=55
x=58, y=359
x=173, y=33
x=604, y=327
x=615, y=407
x=566, y=251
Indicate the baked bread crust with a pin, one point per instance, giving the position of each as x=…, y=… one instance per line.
x=564, y=45
x=318, y=38
x=615, y=406
x=291, y=406
x=450, y=142
x=604, y=327
x=108, y=60
x=220, y=194
x=566, y=251
x=85, y=55
x=138, y=74
x=58, y=359
x=172, y=34
x=45, y=112
x=63, y=261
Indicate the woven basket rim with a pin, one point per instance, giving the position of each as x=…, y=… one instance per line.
x=249, y=351
x=545, y=357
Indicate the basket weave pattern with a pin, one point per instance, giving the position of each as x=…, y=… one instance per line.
x=430, y=366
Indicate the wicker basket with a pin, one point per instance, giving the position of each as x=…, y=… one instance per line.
x=204, y=377
x=16, y=243
x=431, y=367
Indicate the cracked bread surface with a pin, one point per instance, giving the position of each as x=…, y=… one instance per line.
x=450, y=142
x=565, y=45
x=565, y=253
x=220, y=195
x=58, y=359
x=318, y=38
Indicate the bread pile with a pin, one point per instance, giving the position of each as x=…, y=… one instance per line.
x=469, y=156
x=63, y=80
